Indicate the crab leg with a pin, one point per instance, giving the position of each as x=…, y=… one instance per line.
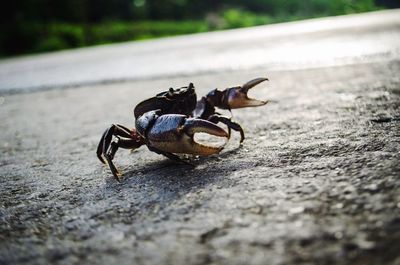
x=107, y=147
x=105, y=140
x=228, y=122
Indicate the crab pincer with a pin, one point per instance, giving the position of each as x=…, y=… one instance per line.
x=174, y=133
x=237, y=97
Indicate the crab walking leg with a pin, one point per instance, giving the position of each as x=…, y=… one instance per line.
x=228, y=122
x=107, y=148
x=120, y=143
x=105, y=140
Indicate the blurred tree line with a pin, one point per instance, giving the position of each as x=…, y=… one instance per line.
x=44, y=25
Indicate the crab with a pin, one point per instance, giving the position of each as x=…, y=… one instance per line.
x=167, y=123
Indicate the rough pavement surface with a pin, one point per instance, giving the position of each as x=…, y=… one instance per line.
x=315, y=182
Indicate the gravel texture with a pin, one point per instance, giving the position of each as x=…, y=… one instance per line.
x=315, y=182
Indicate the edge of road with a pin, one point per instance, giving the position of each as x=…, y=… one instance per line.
x=325, y=24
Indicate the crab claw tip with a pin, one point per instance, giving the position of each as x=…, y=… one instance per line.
x=118, y=178
x=193, y=126
x=252, y=83
x=238, y=98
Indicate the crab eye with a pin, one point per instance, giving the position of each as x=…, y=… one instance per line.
x=212, y=93
x=171, y=92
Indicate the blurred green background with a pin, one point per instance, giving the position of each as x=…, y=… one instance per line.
x=31, y=26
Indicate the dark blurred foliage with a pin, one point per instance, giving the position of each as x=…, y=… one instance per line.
x=388, y=3
x=43, y=25
x=100, y=10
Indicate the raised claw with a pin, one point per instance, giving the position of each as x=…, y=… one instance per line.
x=237, y=96
x=175, y=134
x=193, y=126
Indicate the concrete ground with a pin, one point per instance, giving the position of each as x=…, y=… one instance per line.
x=315, y=182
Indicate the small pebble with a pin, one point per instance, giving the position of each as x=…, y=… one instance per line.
x=296, y=210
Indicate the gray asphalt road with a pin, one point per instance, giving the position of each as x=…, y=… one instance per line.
x=311, y=43
x=315, y=182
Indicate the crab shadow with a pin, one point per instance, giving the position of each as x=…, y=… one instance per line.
x=164, y=181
